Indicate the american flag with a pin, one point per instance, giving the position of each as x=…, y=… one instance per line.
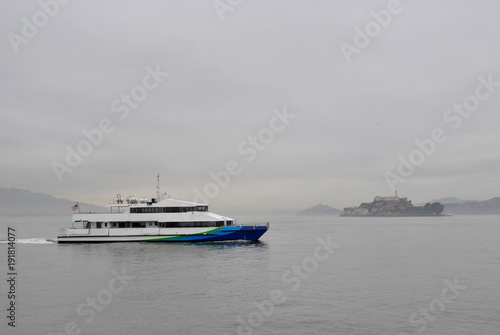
x=75, y=207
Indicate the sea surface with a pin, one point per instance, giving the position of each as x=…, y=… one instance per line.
x=307, y=275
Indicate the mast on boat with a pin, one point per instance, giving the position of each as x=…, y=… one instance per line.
x=159, y=195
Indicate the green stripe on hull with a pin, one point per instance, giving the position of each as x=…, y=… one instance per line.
x=179, y=237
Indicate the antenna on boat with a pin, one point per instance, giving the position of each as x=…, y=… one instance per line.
x=158, y=194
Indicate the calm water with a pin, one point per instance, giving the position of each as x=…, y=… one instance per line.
x=382, y=276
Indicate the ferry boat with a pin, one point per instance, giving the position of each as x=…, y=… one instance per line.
x=159, y=219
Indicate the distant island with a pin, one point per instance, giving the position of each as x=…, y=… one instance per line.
x=320, y=209
x=393, y=206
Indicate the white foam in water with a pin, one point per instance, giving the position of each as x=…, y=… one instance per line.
x=33, y=241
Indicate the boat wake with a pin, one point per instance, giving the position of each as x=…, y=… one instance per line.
x=33, y=241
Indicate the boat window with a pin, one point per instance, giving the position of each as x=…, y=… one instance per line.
x=191, y=224
x=168, y=209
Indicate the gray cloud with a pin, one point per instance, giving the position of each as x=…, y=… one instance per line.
x=226, y=77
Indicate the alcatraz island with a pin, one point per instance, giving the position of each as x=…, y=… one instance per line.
x=393, y=206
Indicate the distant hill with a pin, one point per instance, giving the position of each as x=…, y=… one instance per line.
x=452, y=200
x=17, y=202
x=320, y=210
x=486, y=207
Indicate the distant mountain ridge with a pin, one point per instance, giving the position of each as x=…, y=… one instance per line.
x=452, y=200
x=18, y=202
x=485, y=207
x=320, y=209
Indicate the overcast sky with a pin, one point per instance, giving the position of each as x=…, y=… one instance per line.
x=351, y=104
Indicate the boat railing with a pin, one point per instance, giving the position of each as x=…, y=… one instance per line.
x=102, y=212
x=251, y=225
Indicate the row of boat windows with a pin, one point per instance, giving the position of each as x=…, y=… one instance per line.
x=159, y=224
x=193, y=224
x=168, y=209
